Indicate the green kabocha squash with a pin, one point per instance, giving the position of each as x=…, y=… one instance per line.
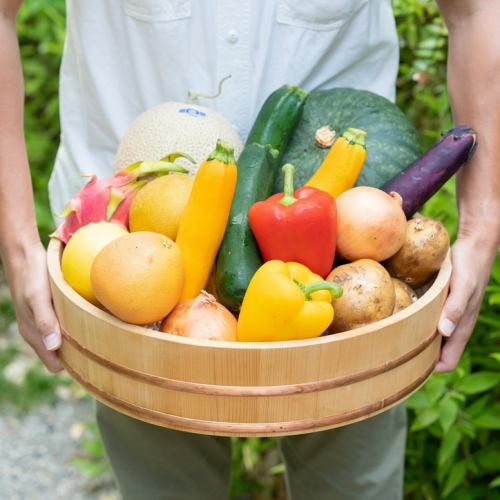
x=391, y=141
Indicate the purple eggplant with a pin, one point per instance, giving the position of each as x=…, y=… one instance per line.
x=418, y=182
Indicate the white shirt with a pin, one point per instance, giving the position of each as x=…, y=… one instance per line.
x=122, y=57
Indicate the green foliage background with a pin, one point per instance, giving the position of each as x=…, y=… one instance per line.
x=454, y=440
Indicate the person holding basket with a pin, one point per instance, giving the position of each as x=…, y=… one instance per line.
x=124, y=56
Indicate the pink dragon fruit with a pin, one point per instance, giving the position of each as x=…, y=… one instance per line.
x=110, y=199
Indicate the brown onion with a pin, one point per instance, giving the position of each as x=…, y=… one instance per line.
x=371, y=224
x=201, y=318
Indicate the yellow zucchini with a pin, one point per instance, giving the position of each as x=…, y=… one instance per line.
x=205, y=218
x=342, y=165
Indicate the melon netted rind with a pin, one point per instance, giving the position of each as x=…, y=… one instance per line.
x=175, y=127
x=392, y=142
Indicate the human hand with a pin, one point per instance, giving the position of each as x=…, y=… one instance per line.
x=37, y=321
x=472, y=264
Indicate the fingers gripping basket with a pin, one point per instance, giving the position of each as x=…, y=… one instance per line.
x=248, y=389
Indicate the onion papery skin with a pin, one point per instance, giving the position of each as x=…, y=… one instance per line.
x=201, y=318
x=371, y=224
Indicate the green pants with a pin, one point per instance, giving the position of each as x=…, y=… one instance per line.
x=363, y=461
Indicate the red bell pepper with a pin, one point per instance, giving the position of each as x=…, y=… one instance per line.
x=297, y=227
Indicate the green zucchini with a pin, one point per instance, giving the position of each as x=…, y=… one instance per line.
x=258, y=165
x=278, y=118
x=239, y=255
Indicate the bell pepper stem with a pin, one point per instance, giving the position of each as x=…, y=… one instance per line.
x=288, y=197
x=333, y=288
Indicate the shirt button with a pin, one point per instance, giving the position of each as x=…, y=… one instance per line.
x=232, y=36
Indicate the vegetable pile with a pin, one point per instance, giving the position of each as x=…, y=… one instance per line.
x=312, y=230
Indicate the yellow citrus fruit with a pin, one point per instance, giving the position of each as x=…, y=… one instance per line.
x=139, y=278
x=80, y=251
x=159, y=205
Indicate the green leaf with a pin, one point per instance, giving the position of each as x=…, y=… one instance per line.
x=489, y=419
x=277, y=469
x=435, y=388
x=495, y=483
x=425, y=418
x=478, y=382
x=476, y=408
x=418, y=401
x=449, y=446
x=488, y=459
x=467, y=428
x=448, y=411
x=455, y=477
x=494, y=299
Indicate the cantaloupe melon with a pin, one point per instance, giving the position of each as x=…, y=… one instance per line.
x=175, y=126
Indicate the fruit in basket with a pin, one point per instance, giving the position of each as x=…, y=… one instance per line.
x=205, y=218
x=286, y=301
x=296, y=226
x=159, y=205
x=392, y=142
x=80, y=252
x=201, y=318
x=368, y=294
x=175, y=126
x=139, y=277
x=417, y=183
x=405, y=295
x=371, y=224
x=109, y=199
x=424, y=250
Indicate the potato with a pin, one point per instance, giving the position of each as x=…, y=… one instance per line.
x=368, y=294
x=424, y=250
x=405, y=295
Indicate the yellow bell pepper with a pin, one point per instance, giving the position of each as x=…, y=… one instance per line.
x=286, y=301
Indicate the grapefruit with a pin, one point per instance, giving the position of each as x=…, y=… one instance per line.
x=139, y=277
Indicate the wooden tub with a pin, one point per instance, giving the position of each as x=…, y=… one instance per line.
x=243, y=388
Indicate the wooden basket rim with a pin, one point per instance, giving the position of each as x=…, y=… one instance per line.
x=55, y=272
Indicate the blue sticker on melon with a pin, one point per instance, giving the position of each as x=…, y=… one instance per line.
x=192, y=112
x=392, y=141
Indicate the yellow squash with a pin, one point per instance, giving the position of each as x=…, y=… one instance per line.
x=342, y=165
x=205, y=218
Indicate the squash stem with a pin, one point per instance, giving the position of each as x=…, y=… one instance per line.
x=223, y=152
x=355, y=136
x=288, y=197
